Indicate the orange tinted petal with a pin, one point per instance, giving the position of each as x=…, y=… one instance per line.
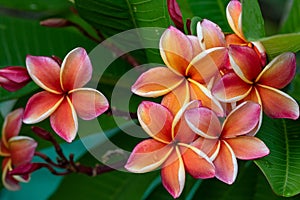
x=40, y=106
x=156, y=82
x=195, y=44
x=277, y=104
x=76, y=69
x=241, y=120
x=226, y=164
x=234, y=39
x=245, y=62
x=176, y=50
x=248, y=147
x=156, y=120
x=279, y=72
x=173, y=174
x=22, y=149
x=231, y=88
x=177, y=98
x=234, y=17
x=44, y=71
x=147, y=156
x=88, y=103
x=11, y=126
x=201, y=93
x=196, y=163
x=64, y=120
x=206, y=65
x=210, y=34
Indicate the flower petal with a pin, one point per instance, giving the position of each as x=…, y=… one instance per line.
x=245, y=62
x=177, y=98
x=40, y=106
x=206, y=65
x=64, y=120
x=22, y=149
x=277, y=104
x=147, y=156
x=16, y=74
x=196, y=163
x=76, y=69
x=156, y=120
x=234, y=17
x=210, y=35
x=210, y=147
x=260, y=51
x=234, y=39
x=203, y=122
x=201, y=93
x=231, y=88
x=11, y=126
x=279, y=72
x=180, y=130
x=173, y=174
x=226, y=164
x=243, y=119
x=88, y=103
x=195, y=44
x=176, y=50
x=44, y=71
x=8, y=181
x=248, y=147
x=156, y=82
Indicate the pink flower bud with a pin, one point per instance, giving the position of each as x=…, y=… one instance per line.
x=175, y=14
x=55, y=22
x=13, y=78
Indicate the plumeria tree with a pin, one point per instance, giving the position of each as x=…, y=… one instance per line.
x=150, y=99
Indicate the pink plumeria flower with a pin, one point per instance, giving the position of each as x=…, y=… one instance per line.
x=16, y=150
x=189, y=70
x=210, y=35
x=13, y=78
x=168, y=148
x=231, y=140
x=250, y=81
x=64, y=97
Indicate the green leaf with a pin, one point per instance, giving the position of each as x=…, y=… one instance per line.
x=281, y=43
x=214, y=10
x=112, y=17
x=292, y=23
x=282, y=166
x=294, y=88
x=249, y=185
x=252, y=20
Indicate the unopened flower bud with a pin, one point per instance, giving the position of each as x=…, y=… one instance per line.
x=13, y=78
x=55, y=22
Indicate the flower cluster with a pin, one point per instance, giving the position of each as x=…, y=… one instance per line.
x=207, y=77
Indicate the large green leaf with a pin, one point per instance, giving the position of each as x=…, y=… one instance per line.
x=282, y=166
x=112, y=17
x=278, y=44
x=252, y=20
x=292, y=22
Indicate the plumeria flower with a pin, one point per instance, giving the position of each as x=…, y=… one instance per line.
x=211, y=35
x=231, y=140
x=16, y=150
x=234, y=18
x=168, y=148
x=64, y=97
x=250, y=81
x=13, y=78
x=188, y=72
